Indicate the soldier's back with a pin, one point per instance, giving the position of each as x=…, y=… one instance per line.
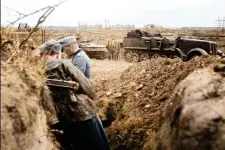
x=84, y=108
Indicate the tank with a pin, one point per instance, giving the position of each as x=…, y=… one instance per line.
x=94, y=50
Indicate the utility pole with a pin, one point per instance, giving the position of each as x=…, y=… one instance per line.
x=78, y=24
x=218, y=21
x=107, y=24
x=221, y=24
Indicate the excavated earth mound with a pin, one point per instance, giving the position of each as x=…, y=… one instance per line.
x=194, y=117
x=138, y=97
x=23, y=121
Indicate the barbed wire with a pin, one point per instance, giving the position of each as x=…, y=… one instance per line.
x=23, y=15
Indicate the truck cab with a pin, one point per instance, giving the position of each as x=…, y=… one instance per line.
x=195, y=47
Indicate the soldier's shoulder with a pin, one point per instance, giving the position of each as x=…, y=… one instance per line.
x=66, y=62
x=80, y=53
x=81, y=56
x=84, y=54
x=54, y=63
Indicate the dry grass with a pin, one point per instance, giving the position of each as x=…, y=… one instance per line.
x=23, y=60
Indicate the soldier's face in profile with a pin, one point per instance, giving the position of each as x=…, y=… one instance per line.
x=68, y=50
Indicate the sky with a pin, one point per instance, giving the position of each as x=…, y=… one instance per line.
x=166, y=13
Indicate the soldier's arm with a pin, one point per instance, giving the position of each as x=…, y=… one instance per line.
x=80, y=63
x=48, y=106
x=78, y=76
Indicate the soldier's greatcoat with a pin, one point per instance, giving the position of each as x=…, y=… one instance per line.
x=82, y=128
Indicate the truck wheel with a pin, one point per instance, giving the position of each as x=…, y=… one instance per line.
x=155, y=56
x=195, y=53
x=163, y=56
x=175, y=57
x=144, y=57
x=127, y=56
x=134, y=57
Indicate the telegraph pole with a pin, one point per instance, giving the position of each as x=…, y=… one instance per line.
x=221, y=24
x=107, y=24
x=78, y=24
x=218, y=22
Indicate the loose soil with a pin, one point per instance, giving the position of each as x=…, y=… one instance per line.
x=138, y=97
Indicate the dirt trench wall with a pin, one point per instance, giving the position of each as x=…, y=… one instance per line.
x=194, y=117
x=138, y=98
x=23, y=122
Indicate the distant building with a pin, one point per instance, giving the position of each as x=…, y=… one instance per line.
x=119, y=26
x=152, y=26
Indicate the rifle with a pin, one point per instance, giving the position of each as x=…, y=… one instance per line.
x=71, y=85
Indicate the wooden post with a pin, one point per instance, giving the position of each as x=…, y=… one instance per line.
x=43, y=36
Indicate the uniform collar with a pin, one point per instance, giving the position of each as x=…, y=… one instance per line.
x=77, y=51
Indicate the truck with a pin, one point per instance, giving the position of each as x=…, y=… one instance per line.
x=140, y=48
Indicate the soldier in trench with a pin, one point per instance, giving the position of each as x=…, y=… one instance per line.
x=81, y=60
x=79, y=57
x=78, y=120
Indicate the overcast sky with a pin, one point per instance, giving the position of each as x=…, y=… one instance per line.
x=167, y=13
